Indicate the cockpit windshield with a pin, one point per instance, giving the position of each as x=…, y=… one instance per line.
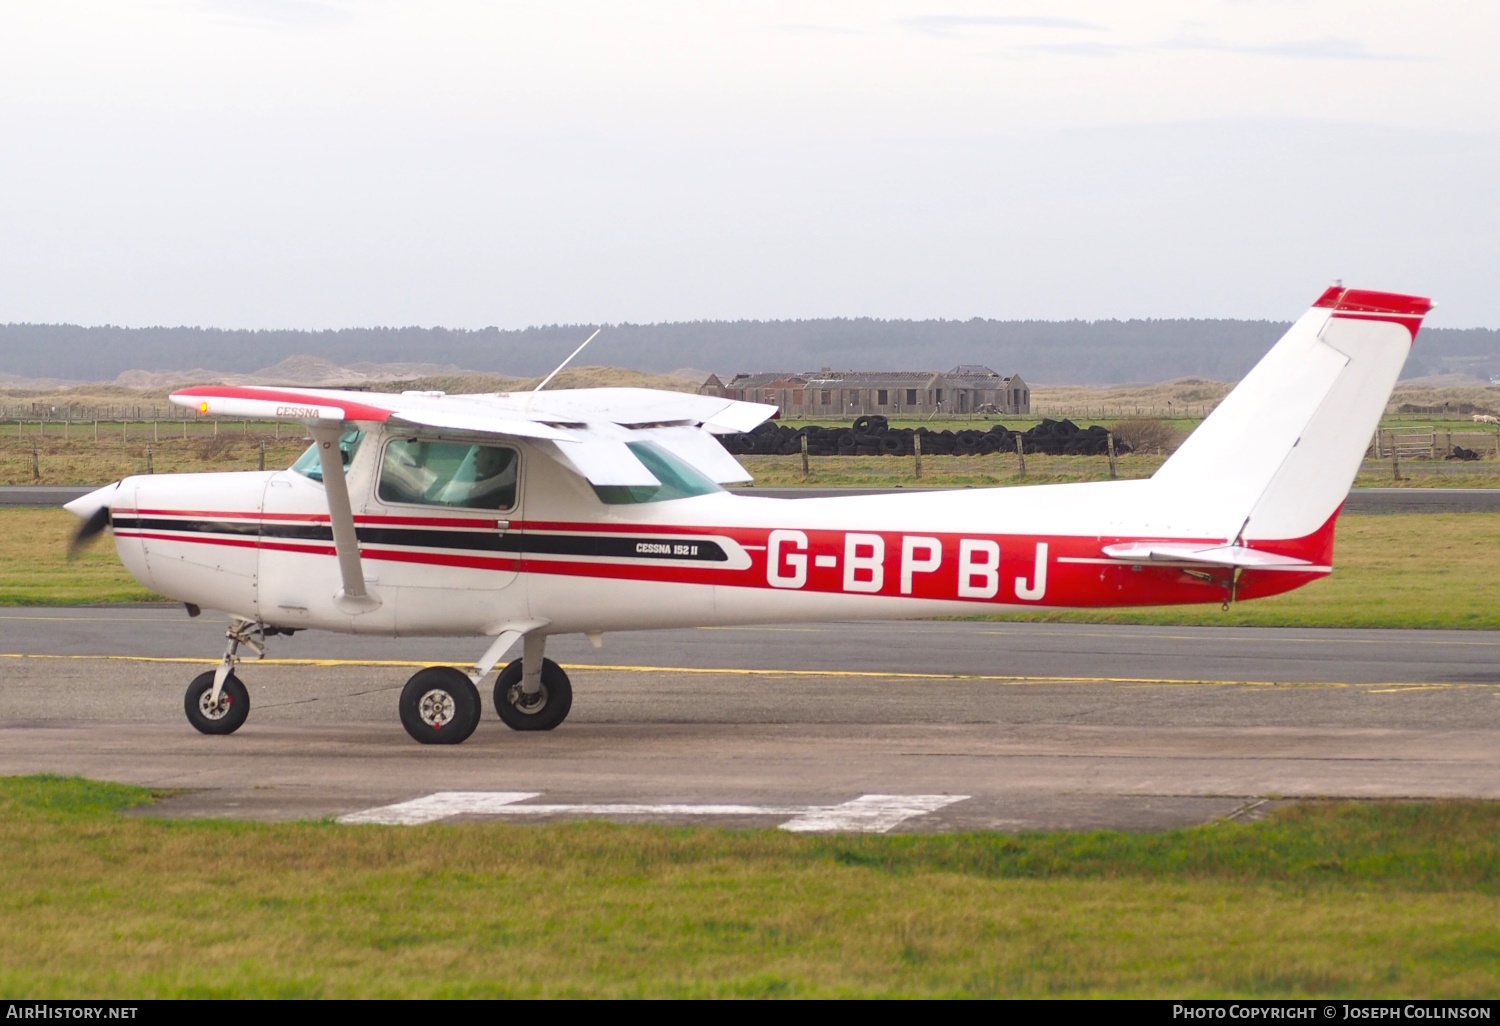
x=308, y=464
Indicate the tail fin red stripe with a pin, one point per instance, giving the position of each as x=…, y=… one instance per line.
x=1365, y=301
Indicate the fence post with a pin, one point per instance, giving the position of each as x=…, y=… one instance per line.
x=1433, y=451
x=216, y=428
x=1021, y=452
x=1110, y=439
x=36, y=468
x=96, y=429
x=150, y=467
x=155, y=434
x=916, y=448
x=1395, y=458
x=804, y=456
x=123, y=425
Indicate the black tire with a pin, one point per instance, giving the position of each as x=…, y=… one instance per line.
x=556, y=698
x=440, y=706
x=228, y=716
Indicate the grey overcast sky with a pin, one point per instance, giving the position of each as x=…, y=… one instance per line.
x=317, y=163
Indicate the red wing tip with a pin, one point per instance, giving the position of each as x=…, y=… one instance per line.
x=1336, y=297
x=353, y=409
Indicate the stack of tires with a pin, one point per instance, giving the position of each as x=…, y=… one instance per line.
x=873, y=436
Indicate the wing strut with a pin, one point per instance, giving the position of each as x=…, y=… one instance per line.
x=353, y=598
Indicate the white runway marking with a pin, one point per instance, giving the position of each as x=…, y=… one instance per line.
x=439, y=806
x=869, y=813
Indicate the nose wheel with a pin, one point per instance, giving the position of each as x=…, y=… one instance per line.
x=221, y=714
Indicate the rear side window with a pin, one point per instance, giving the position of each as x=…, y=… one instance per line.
x=678, y=479
x=455, y=474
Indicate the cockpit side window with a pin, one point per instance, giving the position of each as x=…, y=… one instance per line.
x=460, y=475
x=308, y=464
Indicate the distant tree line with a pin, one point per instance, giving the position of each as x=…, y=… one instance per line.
x=1050, y=352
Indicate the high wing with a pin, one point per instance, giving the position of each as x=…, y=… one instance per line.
x=588, y=428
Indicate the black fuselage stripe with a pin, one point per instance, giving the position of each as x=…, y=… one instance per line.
x=613, y=546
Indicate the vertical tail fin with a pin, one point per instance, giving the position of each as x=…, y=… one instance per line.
x=1276, y=458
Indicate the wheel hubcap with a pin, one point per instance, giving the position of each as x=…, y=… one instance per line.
x=437, y=708
x=212, y=710
x=529, y=704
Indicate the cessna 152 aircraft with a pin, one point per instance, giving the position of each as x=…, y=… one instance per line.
x=517, y=516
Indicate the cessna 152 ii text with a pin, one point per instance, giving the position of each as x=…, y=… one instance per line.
x=513, y=517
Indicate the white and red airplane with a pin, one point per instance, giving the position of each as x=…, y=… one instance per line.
x=517, y=516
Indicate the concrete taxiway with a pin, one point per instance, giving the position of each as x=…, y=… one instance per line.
x=1022, y=725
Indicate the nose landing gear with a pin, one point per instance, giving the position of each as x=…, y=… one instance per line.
x=217, y=702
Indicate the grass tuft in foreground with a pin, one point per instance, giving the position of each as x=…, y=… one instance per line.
x=1374, y=899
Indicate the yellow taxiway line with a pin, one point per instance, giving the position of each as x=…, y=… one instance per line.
x=1382, y=686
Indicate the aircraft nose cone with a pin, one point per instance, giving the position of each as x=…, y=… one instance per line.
x=86, y=506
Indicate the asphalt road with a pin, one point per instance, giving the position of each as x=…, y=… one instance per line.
x=1361, y=500
x=1026, y=725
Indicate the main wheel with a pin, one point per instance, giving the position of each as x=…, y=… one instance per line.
x=440, y=706
x=541, y=711
x=224, y=717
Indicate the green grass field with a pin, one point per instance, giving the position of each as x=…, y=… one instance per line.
x=1321, y=899
x=1406, y=570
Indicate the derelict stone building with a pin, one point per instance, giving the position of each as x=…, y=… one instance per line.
x=967, y=388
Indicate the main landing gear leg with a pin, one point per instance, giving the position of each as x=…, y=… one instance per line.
x=217, y=702
x=533, y=692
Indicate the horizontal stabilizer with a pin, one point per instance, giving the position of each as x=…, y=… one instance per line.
x=1236, y=556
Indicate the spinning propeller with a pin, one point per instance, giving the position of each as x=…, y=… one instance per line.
x=88, y=530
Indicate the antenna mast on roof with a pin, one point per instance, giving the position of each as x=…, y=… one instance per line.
x=569, y=360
